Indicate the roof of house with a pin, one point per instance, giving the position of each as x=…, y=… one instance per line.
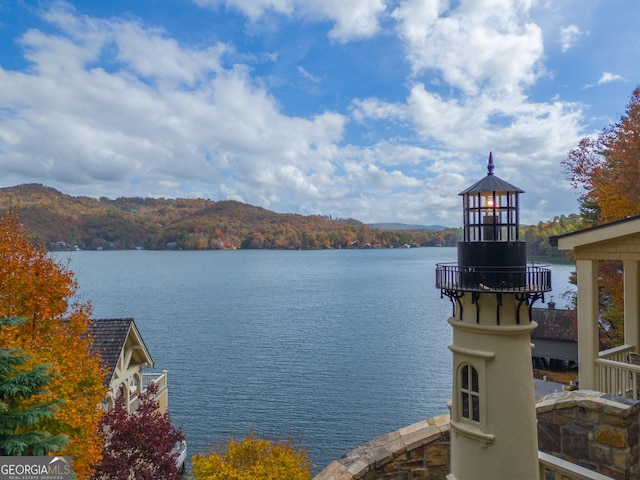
x=599, y=233
x=110, y=336
x=555, y=324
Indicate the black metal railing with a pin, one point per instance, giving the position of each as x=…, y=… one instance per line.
x=531, y=278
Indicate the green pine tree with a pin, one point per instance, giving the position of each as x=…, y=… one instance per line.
x=20, y=432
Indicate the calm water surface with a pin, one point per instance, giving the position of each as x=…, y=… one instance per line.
x=332, y=347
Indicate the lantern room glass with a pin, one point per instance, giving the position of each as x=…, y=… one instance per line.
x=491, y=216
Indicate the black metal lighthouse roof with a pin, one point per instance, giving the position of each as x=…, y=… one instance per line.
x=491, y=183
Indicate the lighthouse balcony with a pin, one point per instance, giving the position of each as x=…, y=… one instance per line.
x=534, y=278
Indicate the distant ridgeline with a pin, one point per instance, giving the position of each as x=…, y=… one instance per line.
x=65, y=222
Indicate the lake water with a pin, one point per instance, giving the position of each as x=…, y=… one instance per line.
x=331, y=347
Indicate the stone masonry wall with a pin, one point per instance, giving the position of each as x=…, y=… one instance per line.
x=597, y=431
x=417, y=452
x=591, y=429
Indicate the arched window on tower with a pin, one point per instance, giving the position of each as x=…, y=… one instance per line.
x=469, y=393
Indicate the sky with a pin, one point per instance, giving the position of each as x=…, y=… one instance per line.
x=377, y=110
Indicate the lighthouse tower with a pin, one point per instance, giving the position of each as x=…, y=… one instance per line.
x=493, y=417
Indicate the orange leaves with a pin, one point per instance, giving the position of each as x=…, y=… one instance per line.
x=34, y=286
x=608, y=168
x=31, y=283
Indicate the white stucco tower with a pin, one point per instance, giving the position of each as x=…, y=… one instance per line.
x=493, y=417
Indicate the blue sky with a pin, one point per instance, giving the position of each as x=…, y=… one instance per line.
x=377, y=110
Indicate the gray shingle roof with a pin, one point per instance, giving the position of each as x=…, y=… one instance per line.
x=109, y=336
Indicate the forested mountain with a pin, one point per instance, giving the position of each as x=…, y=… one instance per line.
x=405, y=226
x=64, y=221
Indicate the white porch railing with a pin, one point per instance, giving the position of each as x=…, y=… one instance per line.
x=615, y=375
x=553, y=468
x=160, y=379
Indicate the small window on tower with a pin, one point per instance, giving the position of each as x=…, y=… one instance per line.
x=469, y=393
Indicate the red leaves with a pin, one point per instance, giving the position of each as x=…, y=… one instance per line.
x=139, y=443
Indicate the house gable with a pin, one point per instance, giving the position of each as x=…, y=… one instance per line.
x=123, y=353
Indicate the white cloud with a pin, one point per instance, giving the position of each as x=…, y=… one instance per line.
x=80, y=124
x=478, y=45
x=351, y=20
x=112, y=107
x=608, y=77
x=569, y=36
x=253, y=9
x=487, y=55
x=308, y=75
x=151, y=55
x=375, y=109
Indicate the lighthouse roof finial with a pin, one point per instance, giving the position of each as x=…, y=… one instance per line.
x=491, y=183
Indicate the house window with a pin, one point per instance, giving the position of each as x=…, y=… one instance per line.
x=469, y=393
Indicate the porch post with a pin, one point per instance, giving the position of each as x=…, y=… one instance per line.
x=588, y=341
x=631, y=309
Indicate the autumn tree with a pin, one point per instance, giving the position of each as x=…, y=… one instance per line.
x=607, y=169
x=140, y=444
x=34, y=286
x=24, y=404
x=253, y=458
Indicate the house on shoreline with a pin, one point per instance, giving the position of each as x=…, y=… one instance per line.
x=125, y=355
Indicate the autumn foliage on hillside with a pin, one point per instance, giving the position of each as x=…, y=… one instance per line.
x=191, y=224
x=55, y=332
